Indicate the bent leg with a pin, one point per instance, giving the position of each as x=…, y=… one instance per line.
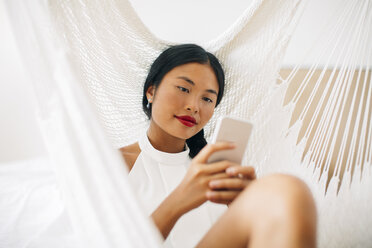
x=274, y=211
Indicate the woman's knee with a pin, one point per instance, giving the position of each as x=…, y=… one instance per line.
x=279, y=196
x=287, y=188
x=279, y=206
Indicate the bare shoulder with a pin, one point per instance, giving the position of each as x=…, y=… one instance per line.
x=130, y=154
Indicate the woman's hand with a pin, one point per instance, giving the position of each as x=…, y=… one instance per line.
x=192, y=191
x=195, y=188
x=225, y=190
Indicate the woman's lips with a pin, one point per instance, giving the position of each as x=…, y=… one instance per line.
x=187, y=120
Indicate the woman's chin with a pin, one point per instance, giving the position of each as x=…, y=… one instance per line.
x=188, y=136
x=184, y=134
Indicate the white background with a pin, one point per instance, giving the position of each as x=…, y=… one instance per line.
x=180, y=21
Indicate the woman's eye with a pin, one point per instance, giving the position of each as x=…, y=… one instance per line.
x=183, y=89
x=207, y=99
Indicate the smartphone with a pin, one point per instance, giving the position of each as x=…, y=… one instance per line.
x=233, y=130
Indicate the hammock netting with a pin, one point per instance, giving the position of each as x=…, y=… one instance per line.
x=89, y=59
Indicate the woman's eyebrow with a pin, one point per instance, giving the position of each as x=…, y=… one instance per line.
x=192, y=83
x=187, y=79
x=212, y=91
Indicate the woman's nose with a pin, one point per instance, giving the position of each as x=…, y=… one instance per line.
x=193, y=106
x=192, y=109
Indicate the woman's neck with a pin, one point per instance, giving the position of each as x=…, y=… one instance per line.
x=163, y=141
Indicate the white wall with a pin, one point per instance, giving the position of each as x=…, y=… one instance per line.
x=191, y=20
x=180, y=21
x=201, y=21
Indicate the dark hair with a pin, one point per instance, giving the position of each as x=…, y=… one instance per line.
x=179, y=55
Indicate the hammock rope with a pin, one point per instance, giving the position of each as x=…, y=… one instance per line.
x=330, y=122
x=88, y=61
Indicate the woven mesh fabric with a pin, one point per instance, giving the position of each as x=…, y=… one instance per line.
x=111, y=50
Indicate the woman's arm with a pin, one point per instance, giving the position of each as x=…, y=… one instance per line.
x=167, y=214
x=194, y=188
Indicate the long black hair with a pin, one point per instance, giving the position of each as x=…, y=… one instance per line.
x=175, y=56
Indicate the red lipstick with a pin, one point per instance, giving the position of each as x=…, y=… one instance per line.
x=187, y=120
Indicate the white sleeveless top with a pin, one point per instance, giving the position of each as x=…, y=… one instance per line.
x=154, y=176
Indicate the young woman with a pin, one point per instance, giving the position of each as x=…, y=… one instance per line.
x=182, y=192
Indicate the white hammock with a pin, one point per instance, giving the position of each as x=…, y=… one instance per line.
x=88, y=59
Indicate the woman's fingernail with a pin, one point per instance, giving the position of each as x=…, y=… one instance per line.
x=230, y=170
x=213, y=184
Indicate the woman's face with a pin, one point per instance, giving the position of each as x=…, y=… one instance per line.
x=185, y=100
